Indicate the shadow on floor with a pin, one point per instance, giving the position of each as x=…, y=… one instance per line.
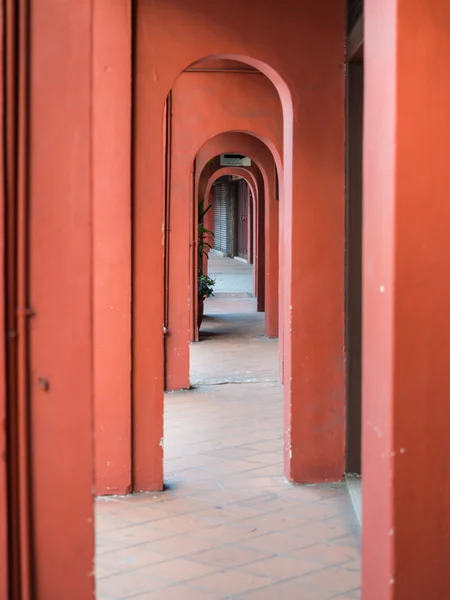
x=232, y=345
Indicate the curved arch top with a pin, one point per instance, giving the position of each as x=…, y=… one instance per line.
x=240, y=171
x=242, y=142
x=271, y=74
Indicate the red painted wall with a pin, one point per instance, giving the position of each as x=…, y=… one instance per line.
x=204, y=105
x=406, y=299
x=303, y=53
x=112, y=245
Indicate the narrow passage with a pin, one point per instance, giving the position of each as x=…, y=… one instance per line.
x=229, y=525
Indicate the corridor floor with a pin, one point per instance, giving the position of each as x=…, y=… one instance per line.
x=229, y=525
x=233, y=348
x=230, y=274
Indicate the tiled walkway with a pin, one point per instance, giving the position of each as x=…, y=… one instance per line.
x=231, y=275
x=233, y=348
x=229, y=526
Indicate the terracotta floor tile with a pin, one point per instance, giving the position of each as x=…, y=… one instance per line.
x=228, y=524
x=228, y=533
x=229, y=556
x=334, y=580
x=351, y=595
x=348, y=540
x=276, y=543
x=128, y=559
x=186, y=505
x=318, y=510
x=110, y=523
x=135, y=534
x=266, y=471
x=128, y=584
x=178, y=570
x=123, y=515
x=285, y=591
x=281, y=567
x=327, y=554
x=354, y=565
x=270, y=446
x=103, y=546
x=233, y=452
x=102, y=571
x=257, y=483
x=269, y=458
x=322, y=530
x=222, y=496
x=180, y=545
x=269, y=502
x=276, y=521
x=178, y=592
x=228, y=513
x=186, y=523
x=231, y=583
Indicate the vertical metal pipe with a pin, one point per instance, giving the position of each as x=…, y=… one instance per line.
x=17, y=312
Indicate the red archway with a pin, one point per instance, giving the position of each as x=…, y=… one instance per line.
x=177, y=338
x=186, y=140
x=257, y=196
x=266, y=163
x=309, y=224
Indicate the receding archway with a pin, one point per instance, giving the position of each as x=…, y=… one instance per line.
x=187, y=139
x=267, y=164
x=311, y=222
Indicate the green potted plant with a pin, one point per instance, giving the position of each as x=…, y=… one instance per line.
x=205, y=283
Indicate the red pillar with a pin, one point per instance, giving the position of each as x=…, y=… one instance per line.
x=249, y=224
x=59, y=180
x=181, y=249
x=406, y=295
x=112, y=245
x=256, y=231
x=148, y=274
x=260, y=265
x=180, y=270
x=313, y=281
x=280, y=297
x=271, y=257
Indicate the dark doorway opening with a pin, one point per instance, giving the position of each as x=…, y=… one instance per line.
x=233, y=218
x=353, y=279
